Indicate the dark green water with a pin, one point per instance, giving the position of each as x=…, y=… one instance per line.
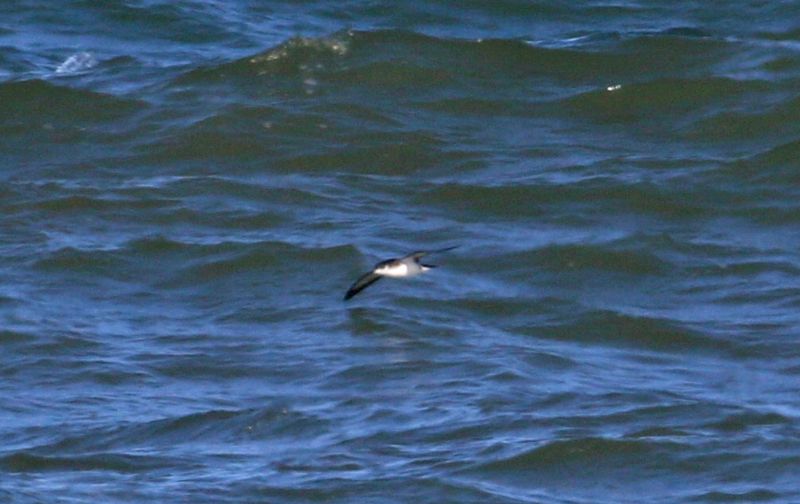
x=187, y=190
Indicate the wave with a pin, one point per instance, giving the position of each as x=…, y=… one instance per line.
x=742, y=421
x=474, y=106
x=176, y=263
x=294, y=57
x=86, y=262
x=26, y=103
x=243, y=137
x=778, y=121
x=656, y=99
x=115, y=462
x=198, y=264
x=761, y=181
x=9, y=337
x=176, y=189
x=774, y=166
x=392, y=158
x=613, y=328
x=605, y=257
x=531, y=200
x=578, y=455
x=212, y=426
x=299, y=51
x=87, y=204
x=755, y=495
x=508, y=309
x=744, y=268
x=592, y=462
x=399, y=59
x=232, y=134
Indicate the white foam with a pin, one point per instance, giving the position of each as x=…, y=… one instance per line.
x=77, y=63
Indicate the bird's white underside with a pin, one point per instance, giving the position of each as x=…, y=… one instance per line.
x=401, y=270
x=396, y=271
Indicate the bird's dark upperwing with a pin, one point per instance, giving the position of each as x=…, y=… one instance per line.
x=362, y=283
x=423, y=253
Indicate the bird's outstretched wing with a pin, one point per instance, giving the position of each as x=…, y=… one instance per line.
x=362, y=283
x=422, y=253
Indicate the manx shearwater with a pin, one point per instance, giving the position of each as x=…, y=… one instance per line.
x=404, y=267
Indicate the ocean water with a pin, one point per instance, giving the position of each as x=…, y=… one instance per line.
x=187, y=189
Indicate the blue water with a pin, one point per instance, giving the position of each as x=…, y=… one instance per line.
x=188, y=189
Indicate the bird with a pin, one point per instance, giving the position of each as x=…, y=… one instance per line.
x=404, y=267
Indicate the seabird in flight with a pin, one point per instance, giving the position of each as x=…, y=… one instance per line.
x=403, y=267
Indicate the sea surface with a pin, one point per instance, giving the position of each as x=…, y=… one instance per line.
x=187, y=190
